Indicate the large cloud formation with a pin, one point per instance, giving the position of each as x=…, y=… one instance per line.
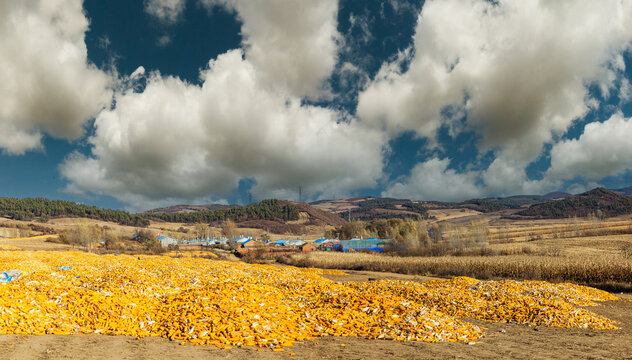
x=433, y=180
x=46, y=82
x=175, y=141
x=516, y=73
x=291, y=44
x=603, y=150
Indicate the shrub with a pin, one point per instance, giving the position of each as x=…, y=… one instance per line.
x=144, y=235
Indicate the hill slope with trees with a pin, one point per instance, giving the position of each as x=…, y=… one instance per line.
x=369, y=208
x=265, y=210
x=32, y=208
x=599, y=202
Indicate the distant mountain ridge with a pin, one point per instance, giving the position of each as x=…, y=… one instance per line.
x=600, y=200
x=627, y=191
x=369, y=208
x=556, y=195
x=287, y=216
x=189, y=208
x=276, y=216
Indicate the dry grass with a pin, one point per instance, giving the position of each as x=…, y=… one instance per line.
x=451, y=214
x=521, y=231
x=610, y=273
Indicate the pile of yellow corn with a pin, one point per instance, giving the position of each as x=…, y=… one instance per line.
x=525, y=302
x=232, y=303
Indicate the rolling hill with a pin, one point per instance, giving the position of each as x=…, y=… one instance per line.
x=627, y=191
x=556, y=195
x=43, y=209
x=608, y=202
x=189, y=208
x=369, y=208
x=276, y=216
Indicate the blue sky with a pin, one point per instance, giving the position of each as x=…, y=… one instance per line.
x=138, y=104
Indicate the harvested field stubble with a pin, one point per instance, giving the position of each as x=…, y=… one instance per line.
x=191, y=253
x=595, y=271
x=228, y=303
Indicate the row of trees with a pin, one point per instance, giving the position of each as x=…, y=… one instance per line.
x=31, y=208
x=265, y=210
x=399, y=230
x=417, y=234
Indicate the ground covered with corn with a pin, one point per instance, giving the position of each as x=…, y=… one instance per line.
x=231, y=304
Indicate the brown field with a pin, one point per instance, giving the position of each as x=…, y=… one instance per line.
x=596, y=271
x=452, y=214
x=587, y=251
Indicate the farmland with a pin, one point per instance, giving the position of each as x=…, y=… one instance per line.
x=177, y=300
x=232, y=304
x=227, y=305
x=587, y=251
x=602, y=272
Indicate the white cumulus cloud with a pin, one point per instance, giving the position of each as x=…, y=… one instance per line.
x=46, y=82
x=518, y=69
x=432, y=180
x=604, y=149
x=515, y=72
x=291, y=44
x=176, y=140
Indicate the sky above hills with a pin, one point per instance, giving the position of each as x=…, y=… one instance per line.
x=139, y=104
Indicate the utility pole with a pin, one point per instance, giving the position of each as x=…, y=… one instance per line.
x=349, y=209
x=300, y=193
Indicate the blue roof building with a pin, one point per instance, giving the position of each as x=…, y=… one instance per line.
x=371, y=244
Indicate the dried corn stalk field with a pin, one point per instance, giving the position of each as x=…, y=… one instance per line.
x=595, y=271
x=227, y=304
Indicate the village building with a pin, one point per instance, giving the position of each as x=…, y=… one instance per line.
x=307, y=248
x=165, y=241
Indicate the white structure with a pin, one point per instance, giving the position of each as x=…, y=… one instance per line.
x=165, y=241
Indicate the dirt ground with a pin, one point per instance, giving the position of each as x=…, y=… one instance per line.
x=503, y=341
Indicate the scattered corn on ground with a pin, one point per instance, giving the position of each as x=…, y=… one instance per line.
x=237, y=304
x=8, y=247
x=26, y=238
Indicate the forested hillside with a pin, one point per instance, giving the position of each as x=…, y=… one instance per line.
x=599, y=201
x=31, y=208
x=369, y=208
x=265, y=210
